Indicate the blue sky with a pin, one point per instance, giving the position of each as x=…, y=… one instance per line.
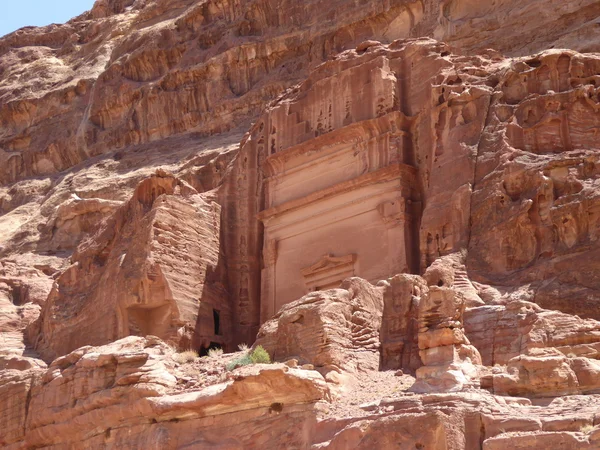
x=15, y=14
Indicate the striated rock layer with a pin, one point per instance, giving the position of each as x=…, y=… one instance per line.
x=499, y=164
x=125, y=396
x=401, y=195
x=479, y=153
x=147, y=271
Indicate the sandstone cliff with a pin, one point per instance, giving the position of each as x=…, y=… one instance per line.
x=397, y=199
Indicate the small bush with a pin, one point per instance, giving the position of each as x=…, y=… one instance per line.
x=243, y=361
x=260, y=356
x=215, y=352
x=185, y=356
x=243, y=347
x=587, y=428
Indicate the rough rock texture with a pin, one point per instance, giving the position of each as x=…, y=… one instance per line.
x=449, y=359
x=462, y=125
x=132, y=393
x=487, y=138
x=399, y=322
x=188, y=169
x=124, y=396
x=336, y=329
x=145, y=272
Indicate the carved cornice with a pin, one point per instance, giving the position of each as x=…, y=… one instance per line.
x=328, y=262
x=394, y=122
x=391, y=172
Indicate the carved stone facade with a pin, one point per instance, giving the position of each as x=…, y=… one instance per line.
x=341, y=197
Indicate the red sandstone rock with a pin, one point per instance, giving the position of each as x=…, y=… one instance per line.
x=337, y=329
x=145, y=272
x=391, y=160
x=449, y=360
x=86, y=397
x=399, y=326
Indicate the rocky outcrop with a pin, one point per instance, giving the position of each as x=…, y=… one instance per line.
x=122, y=75
x=130, y=393
x=502, y=332
x=387, y=432
x=151, y=269
x=73, y=221
x=399, y=323
x=159, y=69
x=548, y=373
x=457, y=177
x=124, y=395
x=467, y=421
x=22, y=292
x=334, y=330
x=474, y=128
x=15, y=387
x=449, y=360
x=535, y=352
x=471, y=25
x=525, y=350
x=472, y=142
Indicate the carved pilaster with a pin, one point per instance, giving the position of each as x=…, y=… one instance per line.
x=268, y=286
x=270, y=252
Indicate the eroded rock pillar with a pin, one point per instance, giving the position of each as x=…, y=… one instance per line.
x=450, y=361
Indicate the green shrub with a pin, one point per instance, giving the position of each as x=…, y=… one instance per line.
x=260, y=356
x=243, y=361
x=587, y=428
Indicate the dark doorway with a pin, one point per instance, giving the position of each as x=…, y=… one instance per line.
x=217, y=322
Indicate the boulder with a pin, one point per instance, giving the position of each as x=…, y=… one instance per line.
x=337, y=329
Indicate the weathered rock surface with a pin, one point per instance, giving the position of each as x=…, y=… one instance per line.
x=457, y=176
x=464, y=131
x=124, y=395
x=467, y=421
x=449, y=360
x=399, y=323
x=336, y=329
x=464, y=126
x=144, y=272
x=22, y=291
x=128, y=394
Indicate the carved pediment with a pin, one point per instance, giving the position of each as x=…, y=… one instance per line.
x=328, y=262
x=329, y=271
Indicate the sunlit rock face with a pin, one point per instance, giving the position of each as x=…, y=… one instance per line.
x=438, y=152
x=385, y=195
x=402, y=171
x=145, y=272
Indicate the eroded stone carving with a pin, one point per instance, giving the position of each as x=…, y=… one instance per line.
x=152, y=269
x=328, y=272
x=334, y=195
